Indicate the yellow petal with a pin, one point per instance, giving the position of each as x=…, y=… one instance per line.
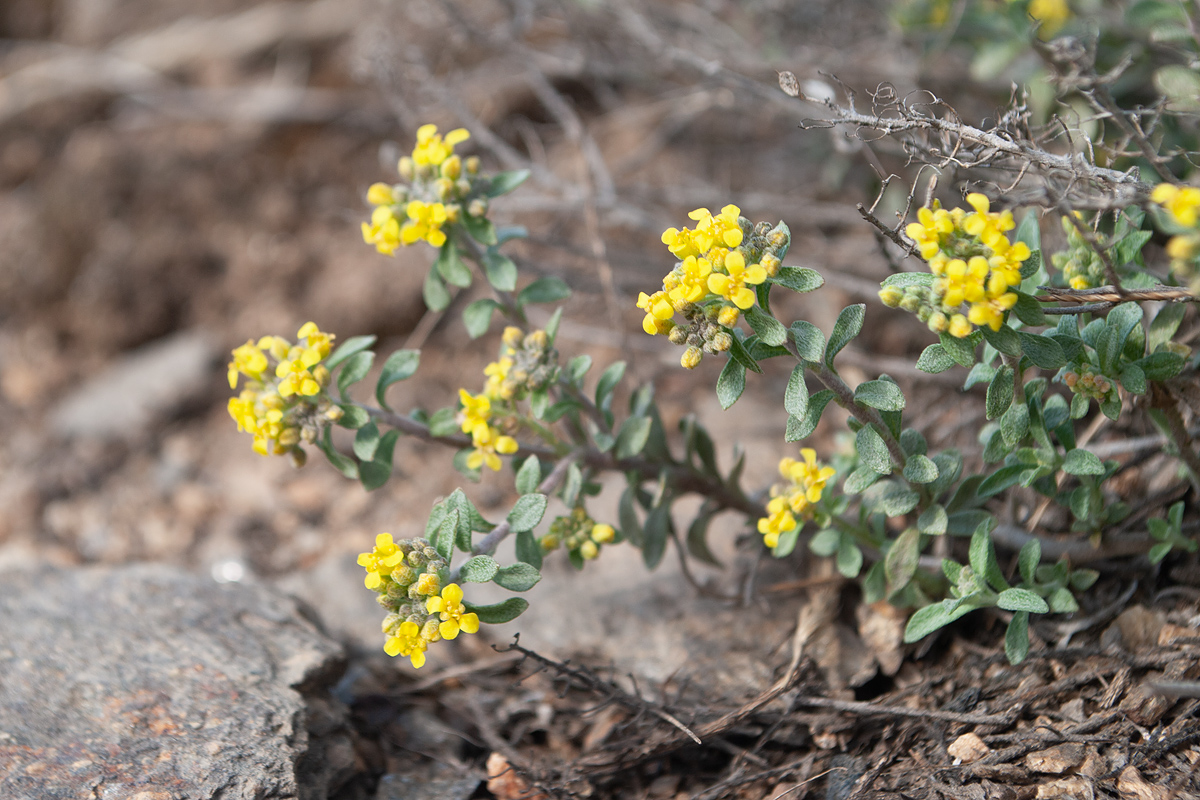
x=743, y=298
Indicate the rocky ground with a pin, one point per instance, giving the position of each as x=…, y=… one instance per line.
x=178, y=177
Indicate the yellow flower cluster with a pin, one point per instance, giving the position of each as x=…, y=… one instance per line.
x=1183, y=204
x=407, y=575
x=792, y=503
x=406, y=214
x=720, y=263
x=975, y=264
x=280, y=407
x=581, y=535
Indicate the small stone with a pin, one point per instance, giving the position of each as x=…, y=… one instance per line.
x=967, y=748
x=506, y=784
x=1072, y=788
x=1056, y=760
x=1137, y=627
x=1132, y=786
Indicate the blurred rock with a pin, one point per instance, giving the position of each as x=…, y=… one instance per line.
x=141, y=388
x=126, y=682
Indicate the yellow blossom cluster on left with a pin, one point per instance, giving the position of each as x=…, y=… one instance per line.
x=721, y=261
x=408, y=577
x=440, y=186
x=792, y=502
x=283, y=400
x=975, y=265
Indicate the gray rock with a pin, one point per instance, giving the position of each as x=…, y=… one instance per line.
x=406, y=787
x=141, y=388
x=147, y=682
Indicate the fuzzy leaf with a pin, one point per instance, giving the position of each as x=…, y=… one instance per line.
x=849, y=324
x=519, y=577
x=935, y=359
x=731, y=383
x=527, y=512
x=810, y=342
x=499, y=613
x=399, y=366
x=880, y=394
x=478, y=569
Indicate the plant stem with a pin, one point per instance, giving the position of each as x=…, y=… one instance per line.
x=681, y=476
x=488, y=544
x=845, y=398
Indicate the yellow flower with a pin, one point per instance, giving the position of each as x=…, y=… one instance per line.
x=497, y=378
x=1183, y=203
x=488, y=443
x=990, y=312
x=453, y=613
x=658, y=310
x=296, y=379
x=408, y=642
x=476, y=410
x=682, y=243
x=690, y=281
x=1053, y=14
x=964, y=282
x=249, y=361
x=432, y=149
x=779, y=520
x=808, y=473
x=733, y=287
x=384, y=230
x=425, y=221
x=959, y=327
x=317, y=343
x=720, y=231
x=380, y=561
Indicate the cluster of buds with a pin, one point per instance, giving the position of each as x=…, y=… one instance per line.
x=527, y=363
x=720, y=263
x=407, y=577
x=579, y=534
x=1182, y=203
x=792, y=503
x=438, y=187
x=975, y=263
x=1079, y=264
x=1082, y=380
x=283, y=401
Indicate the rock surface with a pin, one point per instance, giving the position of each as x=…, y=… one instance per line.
x=147, y=682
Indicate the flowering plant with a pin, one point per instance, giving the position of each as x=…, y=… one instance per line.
x=1060, y=340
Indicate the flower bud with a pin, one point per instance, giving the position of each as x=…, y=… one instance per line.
x=452, y=167
x=937, y=322
x=589, y=550
x=477, y=207
x=721, y=341
x=406, y=168
x=602, y=533
x=910, y=303
x=771, y=263
x=472, y=164
x=891, y=296
x=678, y=335
x=380, y=194
x=691, y=357
x=728, y=316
